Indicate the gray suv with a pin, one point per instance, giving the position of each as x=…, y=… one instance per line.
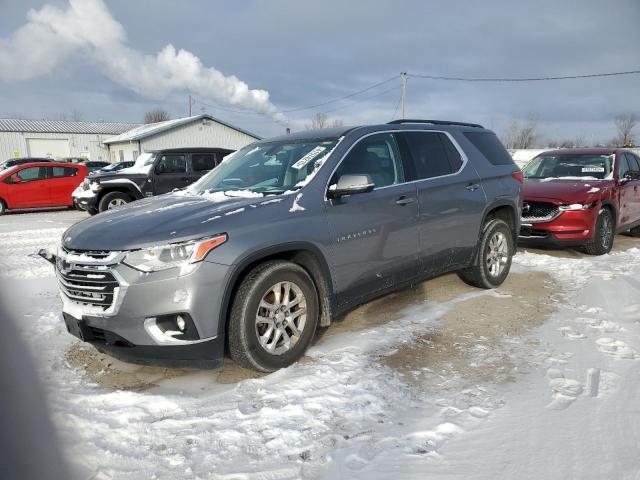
x=285, y=235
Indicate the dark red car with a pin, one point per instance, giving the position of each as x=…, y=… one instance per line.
x=33, y=185
x=581, y=197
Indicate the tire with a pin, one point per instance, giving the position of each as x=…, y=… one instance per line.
x=603, y=234
x=246, y=325
x=493, y=262
x=92, y=211
x=112, y=200
x=3, y=207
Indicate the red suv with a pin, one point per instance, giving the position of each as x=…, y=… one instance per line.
x=581, y=197
x=39, y=185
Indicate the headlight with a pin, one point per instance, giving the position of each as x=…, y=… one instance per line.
x=162, y=257
x=95, y=187
x=576, y=206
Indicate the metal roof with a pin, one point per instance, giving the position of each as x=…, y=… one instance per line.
x=150, y=129
x=63, y=126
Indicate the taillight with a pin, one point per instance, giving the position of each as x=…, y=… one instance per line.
x=519, y=176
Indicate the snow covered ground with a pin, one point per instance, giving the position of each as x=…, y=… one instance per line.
x=555, y=400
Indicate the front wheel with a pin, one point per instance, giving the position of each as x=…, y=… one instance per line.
x=274, y=316
x=493, y=262
x=602, y=241
x=113, y=200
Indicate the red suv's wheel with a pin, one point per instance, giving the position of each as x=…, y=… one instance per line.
x=602, y=240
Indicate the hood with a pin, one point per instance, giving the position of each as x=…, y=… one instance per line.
x=164, y=219
x=99, y=176
x=564, y=191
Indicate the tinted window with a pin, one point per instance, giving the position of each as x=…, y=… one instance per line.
x=30, y=174
x=433, y=154
x=490, y=147
x=632, y=160
x=171, y=164
x=58, y=172
x=623, y=166
x=203, y=162
x=376, y=156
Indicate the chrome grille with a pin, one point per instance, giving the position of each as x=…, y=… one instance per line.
x=90, y=254
x=88, y=285
x=537, y=212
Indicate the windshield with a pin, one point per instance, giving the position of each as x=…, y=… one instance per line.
x=268, y=168
x=142, y=164
x=592, y=167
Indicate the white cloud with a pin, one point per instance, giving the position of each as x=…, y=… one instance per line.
x=51, y=35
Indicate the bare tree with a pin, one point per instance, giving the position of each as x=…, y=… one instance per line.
x=320, y=121
x=156, y=115
x=518, y=136
x=624, y=125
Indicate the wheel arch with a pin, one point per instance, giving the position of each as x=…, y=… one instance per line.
x=118, y=188
x=609, y=205
x=305, y=254
x=504, y=210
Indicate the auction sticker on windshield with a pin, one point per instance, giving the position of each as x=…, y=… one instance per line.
x=592, y=169
x=308, y=157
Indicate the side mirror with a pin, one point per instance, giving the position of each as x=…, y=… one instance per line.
x=16, y=180
x=350, y=185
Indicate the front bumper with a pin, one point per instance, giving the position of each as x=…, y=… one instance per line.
x=84, y=199
x=570, y=228
x=123, y=321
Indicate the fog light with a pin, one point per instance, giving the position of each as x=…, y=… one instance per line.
x=182, y=325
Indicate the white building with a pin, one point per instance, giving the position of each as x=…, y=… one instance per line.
x=196, y=131
x=57, y=138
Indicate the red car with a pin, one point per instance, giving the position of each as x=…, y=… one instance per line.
x=39, y=185
x=581, y=197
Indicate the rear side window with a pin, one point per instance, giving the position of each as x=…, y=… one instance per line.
x=58, y=172
x=433, y=154
x=203, y=162
x=490, y=147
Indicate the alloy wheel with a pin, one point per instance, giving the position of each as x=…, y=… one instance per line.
x=497, y=254
x=281, y=317
x=116, y=202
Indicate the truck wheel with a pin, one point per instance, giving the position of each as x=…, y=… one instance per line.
x=495, y=251
x=274, y=316
x=113, y=200
x=3, y=207
x=92, y=211
x=602, y=241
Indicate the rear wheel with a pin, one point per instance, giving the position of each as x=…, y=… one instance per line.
x=3, y=207
x=113, y=200
x=495, y=251
x=274, y=316
x=602, y=241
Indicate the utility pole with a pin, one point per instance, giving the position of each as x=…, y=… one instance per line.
x=190, y=104
x=403, y=98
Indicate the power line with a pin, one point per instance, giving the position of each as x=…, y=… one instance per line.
x=353, y=94
x=368, y=97
x=524, y=79
x=395, y=111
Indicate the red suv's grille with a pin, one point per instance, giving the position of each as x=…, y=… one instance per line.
x=534, y=212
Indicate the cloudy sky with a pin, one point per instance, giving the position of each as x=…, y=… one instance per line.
x=253, y=62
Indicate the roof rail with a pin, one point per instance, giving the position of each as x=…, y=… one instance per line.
x=435, y=122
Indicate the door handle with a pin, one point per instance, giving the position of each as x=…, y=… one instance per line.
x=404, y=200
x=472, y=187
